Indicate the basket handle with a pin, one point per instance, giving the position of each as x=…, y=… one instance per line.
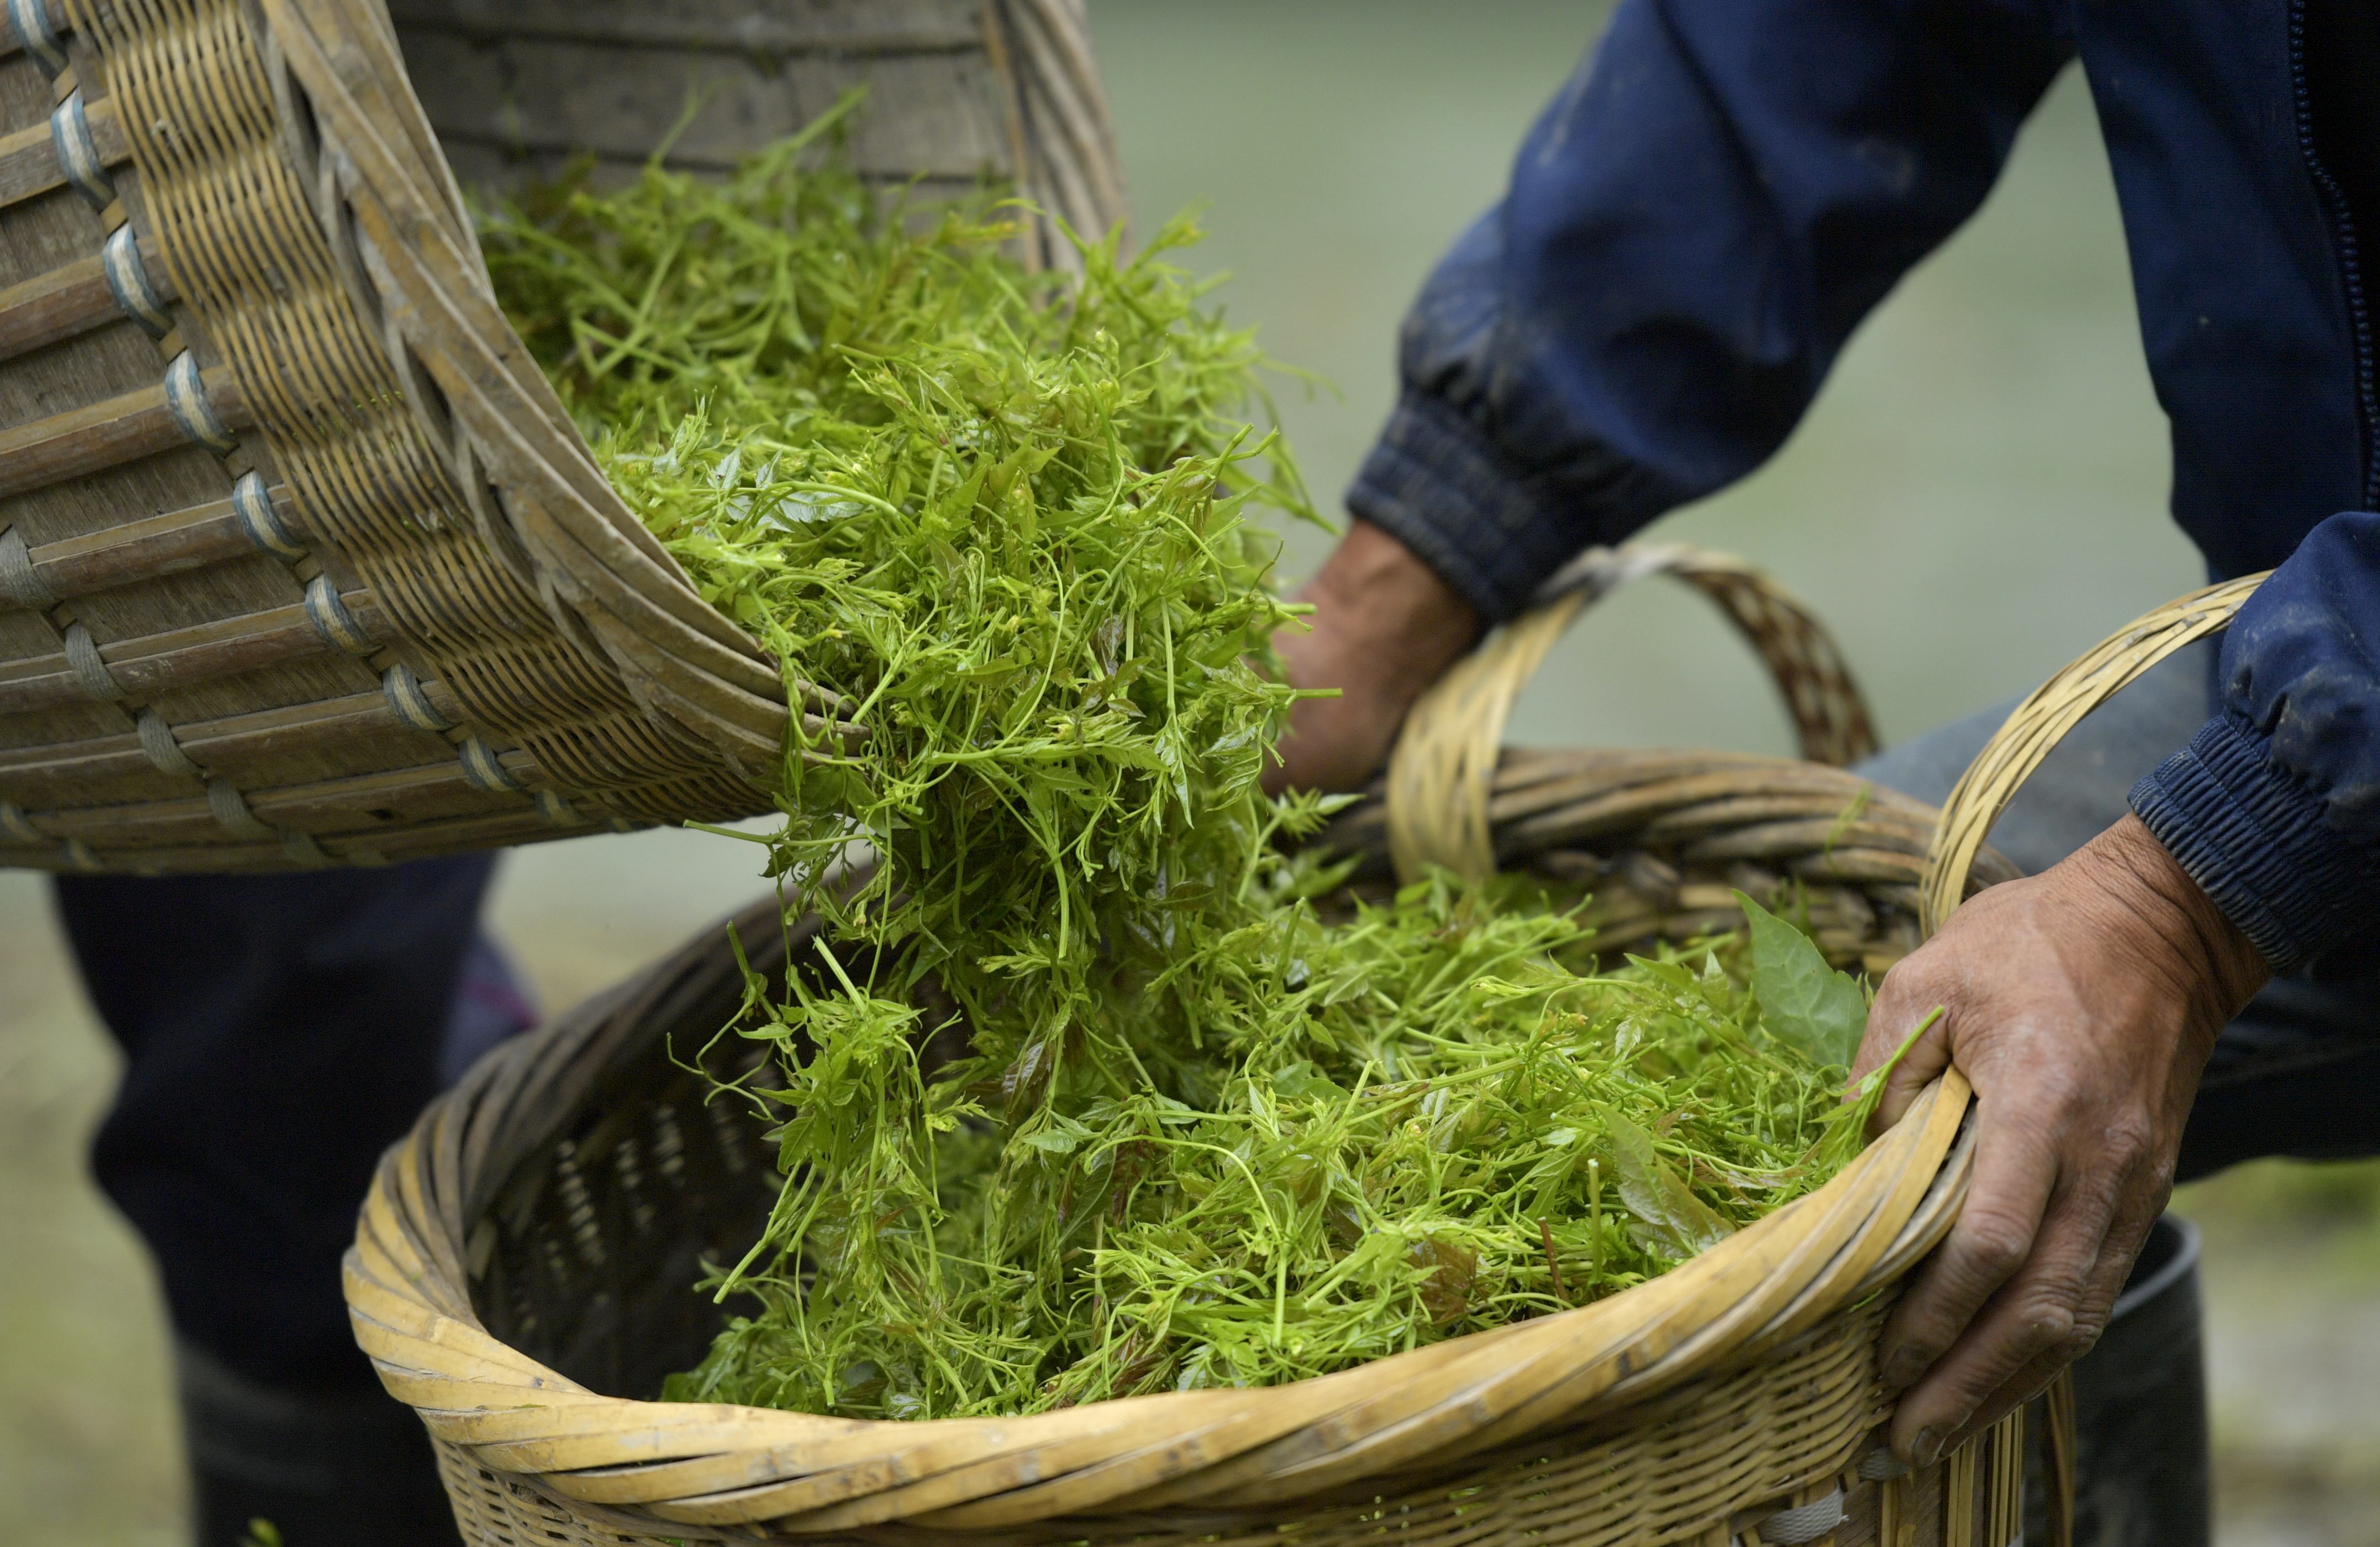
x=2018, y=748
x=2037, y=724
x=1444, y=765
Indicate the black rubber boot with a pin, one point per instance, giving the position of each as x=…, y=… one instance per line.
x=2143, y=1474
x=348, y=1467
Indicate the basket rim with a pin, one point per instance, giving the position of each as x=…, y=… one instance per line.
x=697, y=1465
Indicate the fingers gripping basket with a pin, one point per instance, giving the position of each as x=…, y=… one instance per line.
x=300, y=560
x=521, y=1268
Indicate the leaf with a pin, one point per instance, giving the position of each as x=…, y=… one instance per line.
x=1680, y=1224
x=1448, y=1273
x=1670, y=974
x=1803, y=1002
x=1299, y=1081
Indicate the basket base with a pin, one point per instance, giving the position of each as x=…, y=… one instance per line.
x=495, y=1510
x=1646, y=1483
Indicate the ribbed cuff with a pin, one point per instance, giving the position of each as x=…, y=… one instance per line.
x=1433, y=483
x=2255, y=840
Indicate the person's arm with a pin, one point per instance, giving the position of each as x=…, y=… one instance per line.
x=1385, y=626
x=2274, y=806
x=2084, y=1001
x=1692, y=230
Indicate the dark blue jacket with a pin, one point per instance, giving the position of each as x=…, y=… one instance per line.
x=1716, y=199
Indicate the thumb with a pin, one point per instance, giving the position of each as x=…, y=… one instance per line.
x=1901, y=1008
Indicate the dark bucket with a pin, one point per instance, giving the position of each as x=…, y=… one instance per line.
x=2141, y=1466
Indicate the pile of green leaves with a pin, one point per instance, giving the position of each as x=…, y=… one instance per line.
x=1196, y=1133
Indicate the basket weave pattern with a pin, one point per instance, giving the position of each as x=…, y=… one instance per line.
x=1757, y=1435
x=1440, y=780
x=521, y=90
x=521, y=1263
x=527, y=1251
x=303, y=562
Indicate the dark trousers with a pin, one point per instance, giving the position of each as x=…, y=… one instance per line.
x=278, y=1033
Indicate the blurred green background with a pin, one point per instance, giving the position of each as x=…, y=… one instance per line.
x=1977, y=496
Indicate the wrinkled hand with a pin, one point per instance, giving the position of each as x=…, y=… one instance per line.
x=1384, y=627
x=2082, y=1004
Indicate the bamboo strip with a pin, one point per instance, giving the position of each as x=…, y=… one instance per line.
x=1959, y=1498
x=2036, y=725
x=67, y=301
x=106, y=434
x=145, y=548
x=237, y=745
x=2058, y=1406
x=842, y=33
x=144, y=667
x=29, y=157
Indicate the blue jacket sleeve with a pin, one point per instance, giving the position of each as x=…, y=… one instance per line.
x=2274, y=806
x=1692, y=229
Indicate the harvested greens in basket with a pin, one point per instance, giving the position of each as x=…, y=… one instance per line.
x=1204, y=1132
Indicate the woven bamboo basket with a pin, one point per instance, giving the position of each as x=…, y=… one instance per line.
x=520, y=1270
x=301, y=562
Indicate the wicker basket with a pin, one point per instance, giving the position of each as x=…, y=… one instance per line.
x=520, y=1270
x=300, y=561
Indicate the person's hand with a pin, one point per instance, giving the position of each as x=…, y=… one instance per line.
x=1384, y=627
x=2082, y=1004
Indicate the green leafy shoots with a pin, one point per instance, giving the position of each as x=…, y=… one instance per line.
x=1097, y=1083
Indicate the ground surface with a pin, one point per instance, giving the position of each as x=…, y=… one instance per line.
x=2293, y=1299
x=1977, y=498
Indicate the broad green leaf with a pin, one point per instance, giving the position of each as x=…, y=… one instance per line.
x=1677, y=1222
x=1803, y=1002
